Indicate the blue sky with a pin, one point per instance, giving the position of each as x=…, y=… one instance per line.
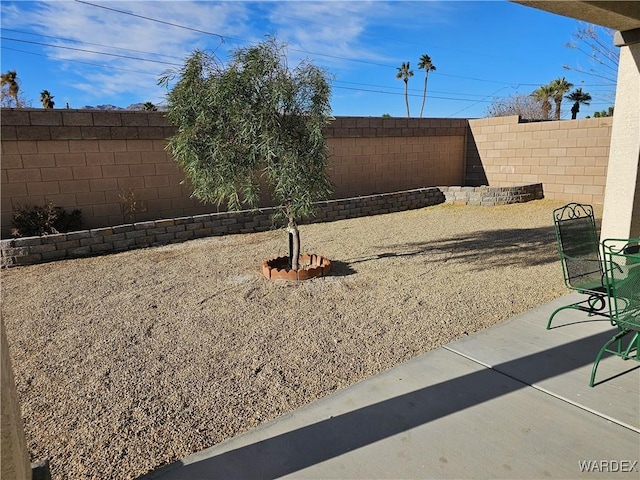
x=481, y=49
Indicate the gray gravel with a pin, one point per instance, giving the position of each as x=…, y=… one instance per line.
x=130, y=361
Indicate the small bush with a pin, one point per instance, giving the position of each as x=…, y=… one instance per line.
x=30, y=221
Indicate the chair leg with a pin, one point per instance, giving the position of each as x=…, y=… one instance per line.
x=604, y=349
x=554, y=314
x=596, y=303
x=633, y=344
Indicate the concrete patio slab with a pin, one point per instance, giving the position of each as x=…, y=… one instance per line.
x=447, y=414
x=571, y=346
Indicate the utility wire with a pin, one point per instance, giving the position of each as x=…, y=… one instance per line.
x=410, y=90
x=233, y=38
x=90, y=51
x=153, y=19
x=338, y=57
x=89, y=43
x=412, y=94
x=222, y=38
x=109, y=67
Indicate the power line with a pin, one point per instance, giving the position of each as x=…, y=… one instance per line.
x=233, y=38
x=434, y=97
x=338, y=57
x=89, y=43
x=153, y=19
x=402, y=88
x=91, y=51
x=76, y=61
x=222, y=38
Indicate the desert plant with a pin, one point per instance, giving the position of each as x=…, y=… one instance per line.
x=130, y=206
x=35, y=220
x=254, y=117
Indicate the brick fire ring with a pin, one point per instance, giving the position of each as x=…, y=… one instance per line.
x=310, y=266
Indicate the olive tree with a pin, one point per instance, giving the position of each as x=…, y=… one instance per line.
x=252, y=119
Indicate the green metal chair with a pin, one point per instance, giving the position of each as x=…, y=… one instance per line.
x=622, y=267
x=579, y=250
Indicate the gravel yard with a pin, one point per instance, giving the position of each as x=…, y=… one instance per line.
x=130, y=361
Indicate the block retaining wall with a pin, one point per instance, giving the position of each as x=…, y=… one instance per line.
x=30, y=250
x=490, y=196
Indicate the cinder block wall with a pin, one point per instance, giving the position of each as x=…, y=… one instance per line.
x=380, y=155
x=569, y=157
x=91, y=159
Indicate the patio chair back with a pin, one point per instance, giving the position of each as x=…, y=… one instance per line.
x=622, y=259
x=579, y=247
x=622, y=266
x=579, y=251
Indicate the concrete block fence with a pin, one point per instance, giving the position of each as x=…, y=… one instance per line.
x=31, y=250
x=93, y=160
x=570, y=157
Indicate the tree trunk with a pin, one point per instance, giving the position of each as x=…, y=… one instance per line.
x=294, y=244
x=406, y=97
x=574, y=110
x=424, y=94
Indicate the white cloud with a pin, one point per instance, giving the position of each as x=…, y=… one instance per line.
x=124, y=36
x=331, y=33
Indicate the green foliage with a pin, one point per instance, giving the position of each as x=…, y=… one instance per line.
x=578, y=97
x=47, y=99
x=603, y=113
x=29, y=221
x=10, y=96
x=253, y=118
x=560, y=86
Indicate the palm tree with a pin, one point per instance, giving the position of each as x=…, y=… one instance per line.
x=11, y=79
x=426, y=64
x=404, y=72
x=560, y=87
x=604, y=113
x=150, y=107
x=543, y=94
x=47, y=99
x=578, y=97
